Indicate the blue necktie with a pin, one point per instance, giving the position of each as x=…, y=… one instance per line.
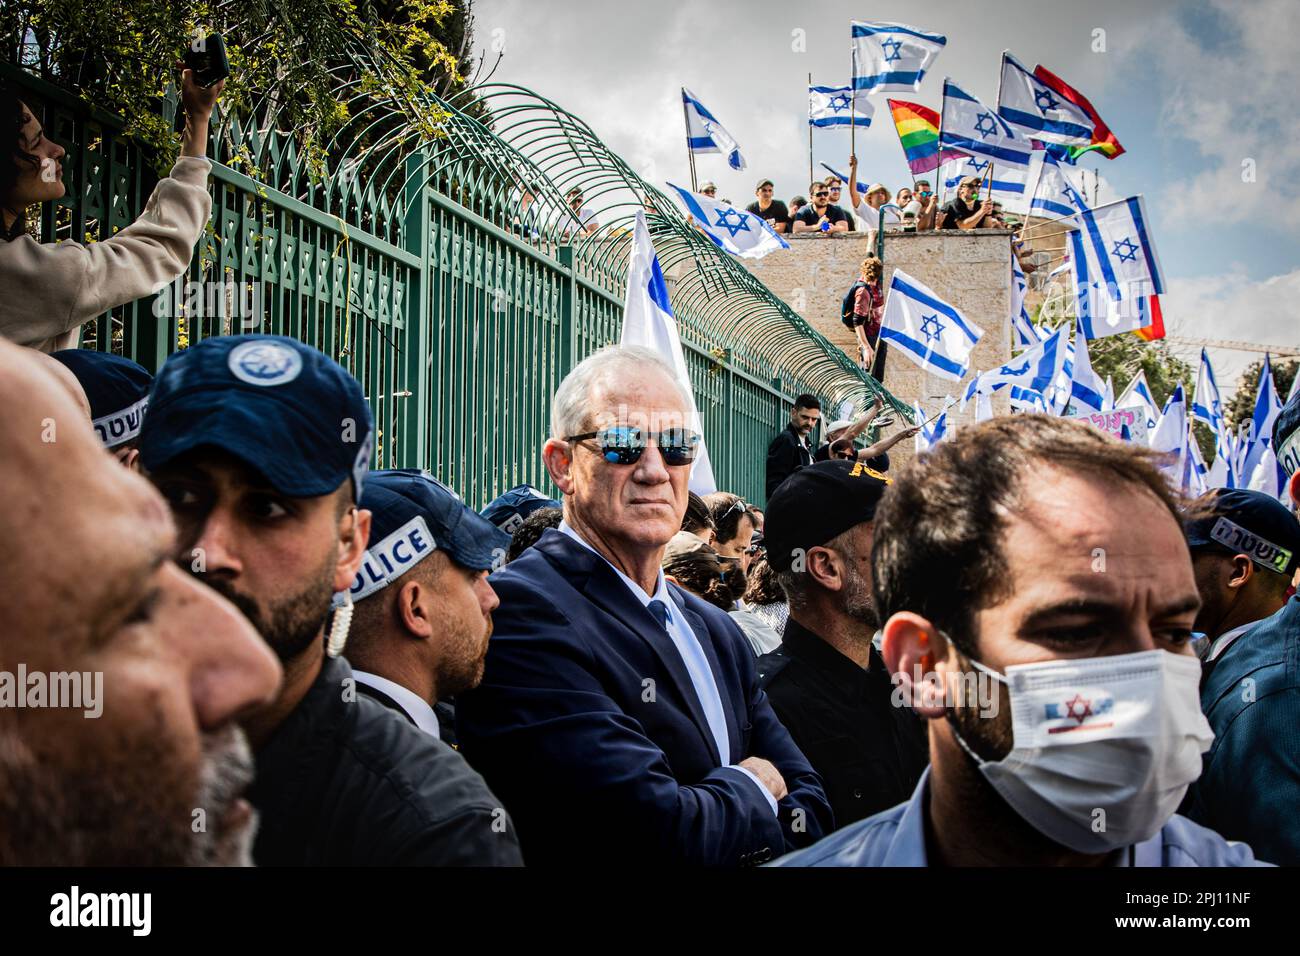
x=660, y=612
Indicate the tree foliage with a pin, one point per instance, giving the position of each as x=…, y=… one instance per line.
x=1242, y=405
x=287, y=57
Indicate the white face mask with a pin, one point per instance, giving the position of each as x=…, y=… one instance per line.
x=1104, y=748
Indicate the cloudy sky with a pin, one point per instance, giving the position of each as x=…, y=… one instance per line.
x=1201, y=95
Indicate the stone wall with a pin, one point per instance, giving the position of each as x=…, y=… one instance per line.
x=971, y=270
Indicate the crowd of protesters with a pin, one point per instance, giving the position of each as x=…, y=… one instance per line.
x=340, y=666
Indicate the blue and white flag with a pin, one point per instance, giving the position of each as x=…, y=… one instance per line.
x=1026, y=332
x=834, y=106
x=1207, y=408
x=1196, y=476
x=1108, y=399
x=969, y=125
x=926, y=329
x=1270, y=477
x=1260, y=432
x=892, y=57
x=1170, y=436
x=933, y=432
x=1114, y=260
x=1028, y=400
x=862, y=187
x=1036, y=111
x=1087, y=389
x=1008, y=186
x=648, y=320
x=1054, y=196
x=741, y=233
x=1138, y=394
x=704, y=134
x=1040, y=368
x=1057, y=395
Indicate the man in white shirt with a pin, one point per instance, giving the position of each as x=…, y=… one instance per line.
x=422, y=603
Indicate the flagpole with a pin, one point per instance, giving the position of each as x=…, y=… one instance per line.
x=941, y=182
x=810, y=130
x=690, y=153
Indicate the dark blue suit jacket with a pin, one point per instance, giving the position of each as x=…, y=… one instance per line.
x=1249, y=789
x=588, y=728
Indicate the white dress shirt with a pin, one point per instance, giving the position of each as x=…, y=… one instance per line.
x=692, y=654
x=412, y=704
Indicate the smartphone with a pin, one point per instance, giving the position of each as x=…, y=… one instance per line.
x=209, y=64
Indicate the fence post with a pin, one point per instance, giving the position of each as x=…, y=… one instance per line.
x=413, y=450
x=568, y=309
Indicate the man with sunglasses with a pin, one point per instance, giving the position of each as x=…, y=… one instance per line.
x=620, y=717
x=836, y=190
x=820, y=216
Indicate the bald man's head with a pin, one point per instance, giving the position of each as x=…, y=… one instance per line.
x=112, y=774
x=68, y=380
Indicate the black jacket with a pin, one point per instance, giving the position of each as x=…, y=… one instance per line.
x=869, y=753
x=786, y=455
x=345, y=781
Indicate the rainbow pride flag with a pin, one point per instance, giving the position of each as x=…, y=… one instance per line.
x=1103, y=140
x=918, y=134
x=1156, y=330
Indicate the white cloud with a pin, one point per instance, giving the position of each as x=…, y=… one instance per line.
x=1233, y=307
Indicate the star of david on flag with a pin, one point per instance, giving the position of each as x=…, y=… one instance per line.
x=972, y=127
x=892, y=56
x=926, y=329
x=1116, y=270
x=1034, y=111
x=741, y=233
x=704, y=134
x=1043, y=369
x=830, y=106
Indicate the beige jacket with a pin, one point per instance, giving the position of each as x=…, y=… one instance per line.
x=48, y=290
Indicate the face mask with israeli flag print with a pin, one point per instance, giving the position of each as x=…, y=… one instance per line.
x=1104, y=748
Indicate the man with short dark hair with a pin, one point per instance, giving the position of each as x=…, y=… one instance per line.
x=789, y=450
x=772, y=210
x=1250, y=786
x=261, y=445
x=836, y=188
x=735, y=528
x=819, y=216
x=1038, y=601
x=967, y=211
x=423, y=603
x=826, y=681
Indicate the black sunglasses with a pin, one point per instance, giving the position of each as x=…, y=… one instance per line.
x=820, y=195
x=740, y=503
x=624, y=444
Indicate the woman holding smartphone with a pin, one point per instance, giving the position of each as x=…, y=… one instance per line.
x=49, y=290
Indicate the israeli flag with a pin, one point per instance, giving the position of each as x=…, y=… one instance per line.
x=1138, y=394
x=835, y=106
x=1008, y=186
x=648, y=320
x=1113, y=254
x=1054, y=196
x=930, y=434
x=1170, y=435
x=1041, y=368
x=1207, y=408
x=1026, y=332
x=1028, y=400
x=1087, y=389
x=862, y=187
x=973, y=128
x=926, y=329
x=1057, y=394
x=1109, y=397
x=1036, y=111
x=892, y=57
x=1267, y=409
x=1196, y=476
x=1270, y=477
x=704, y=134
x=741, y=233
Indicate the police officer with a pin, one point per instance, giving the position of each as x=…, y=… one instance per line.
x=118, y=391
x=1249, y=788
x=423, y=603
x=261, y=444
x=510, y=509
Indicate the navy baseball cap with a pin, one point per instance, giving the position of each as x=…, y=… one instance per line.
x=508, y=511
x=1250, y=523
x=414, y=514
x=1286, y=436
x=117, y=388
x=283, y=408
x=818, y=503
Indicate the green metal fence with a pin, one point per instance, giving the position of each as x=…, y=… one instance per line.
x=412, y=259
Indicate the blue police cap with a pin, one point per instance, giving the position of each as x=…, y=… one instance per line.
x=413, y=515
x=1250, y=523
x=284, y=408
x=117, y=388
x=1286, y=436
x=508, y=511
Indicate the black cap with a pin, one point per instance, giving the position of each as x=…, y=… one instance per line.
x=1286, y=436
x=117, y=389
x=1250, y=523
x=818, y=503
